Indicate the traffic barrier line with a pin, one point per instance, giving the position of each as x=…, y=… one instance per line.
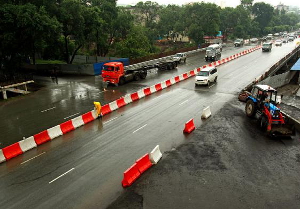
x=155, y=155
x=206, y=113
x=12, y=151
x=74, y=123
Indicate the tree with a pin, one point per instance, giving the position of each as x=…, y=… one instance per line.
x=147, y=13
x=263, y=14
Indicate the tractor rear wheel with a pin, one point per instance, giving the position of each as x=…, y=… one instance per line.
x=250, y=108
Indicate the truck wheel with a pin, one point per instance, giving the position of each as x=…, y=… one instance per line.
x=250, y=108
x=136, y=76
x=143, y=75
x=263, y=122
x=185, y=60
x=121, y=81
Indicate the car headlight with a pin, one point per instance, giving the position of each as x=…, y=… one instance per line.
x=205, y=79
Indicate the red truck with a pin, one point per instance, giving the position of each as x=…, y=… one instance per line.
x=116, y=73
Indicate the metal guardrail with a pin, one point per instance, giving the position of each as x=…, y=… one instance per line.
x=3, y=89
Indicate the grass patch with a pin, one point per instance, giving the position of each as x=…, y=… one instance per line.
x=50, y=62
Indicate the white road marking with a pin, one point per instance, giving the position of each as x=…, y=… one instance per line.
x=62, y=175
x=110, y=120
x=157, y=97
x=183, y=102
x=33, y=158
x=211, y=86
x=48, y=109
x=140, y=128
x=71, y=116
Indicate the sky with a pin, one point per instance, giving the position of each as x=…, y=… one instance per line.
x=229, y=3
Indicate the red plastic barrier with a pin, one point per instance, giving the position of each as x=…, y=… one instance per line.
x=158, y=87
x=192, y=73
x=12, y=151
x=199, y=69
x=105, y=109
x=121, y=102
x=219, y=62
x=67, y=127
x=189, y=126
x=177, y=79
x=168, y=83
x=144, y=163
x=42, y=137
x=134, y=96
x=130, y=175
x=204, y=66
x=147, y=91
x=87, y=117
x=185, y=76
x=210, y=65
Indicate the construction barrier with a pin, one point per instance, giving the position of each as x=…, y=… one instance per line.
x=130, y=175
x=189, y=126
x=67, y=127
x=2, y=157
x=12, y=151
x=158, y=87
x=155, y=155
x=27, y=144
x=88, y=117
x=121, y=102
x=134, y=96
x=41, y=137
x=143, y=163
x=206, y=113
x=113, y=105
x=105, y=109
x=54, y=132
x=147, y=91
x=127, y=98
x=77, y=122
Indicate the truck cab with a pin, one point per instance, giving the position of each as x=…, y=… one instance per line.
x=213, y=52
x=112, y=72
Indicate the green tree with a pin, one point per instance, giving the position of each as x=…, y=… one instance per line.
x=263, y=14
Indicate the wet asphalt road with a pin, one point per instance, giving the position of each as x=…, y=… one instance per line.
x=83, y=169
x=72, y=96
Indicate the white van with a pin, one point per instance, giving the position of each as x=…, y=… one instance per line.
x=206, y=76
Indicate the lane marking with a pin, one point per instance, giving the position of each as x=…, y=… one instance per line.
x=110, y=120
x=33, y=158
x=71, y=116
x=140, y=128
x=183, y=102
x=61, y=175
x=211, y=86
x=157, y=97
x=48, y=109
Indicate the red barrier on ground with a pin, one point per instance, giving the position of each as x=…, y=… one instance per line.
x=87, y=117
x=144, y=163
x=147, y=91
x=185, y=76
x=42, y=137
x=158, y=87
x=67, y=127
x=209, y=65
x=204, y=66
x=214, y=63
x=192, y=72
x=177, y=79
x=134, y=96
x=130, y=175
x=199, y=69
x=12, y=151
x=105, y=109
x=189, y=126
x=168, y=83
x=219, y=62
x=121, y=102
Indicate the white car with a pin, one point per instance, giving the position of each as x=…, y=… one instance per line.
x=180, y=57
x=278, y=42
x=206, y=76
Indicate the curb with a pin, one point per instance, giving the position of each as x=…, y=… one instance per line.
x=26, y=144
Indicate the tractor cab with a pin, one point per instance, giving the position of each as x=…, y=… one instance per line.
x=265, y=93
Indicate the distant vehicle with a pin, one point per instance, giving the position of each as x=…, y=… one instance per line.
x=206, y=76
x=278, y=42
x=291, y=38
x=213, y=52
x=253, y=40
x=267, y=47
x=270, y=36
x=276, y=34
x=179, y=57
x=285, y=40
x=238, y=42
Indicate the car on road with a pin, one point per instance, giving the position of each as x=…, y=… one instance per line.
x=238, y=42
x=285, y=40
x=213, y=52
x=206, y=76
x=291, y=38
x=180, y=57
x=253, y=40
x=267, y=47
x=278, y=42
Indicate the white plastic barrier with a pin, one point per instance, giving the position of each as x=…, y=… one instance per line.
x=153, y=89
x=141, y=93
x=163, y=85
x=127, y=98
x=155, y=155
x=54, y=132
x=77, y=121
x=94, y=113
x=27, y=144
x=2, y=158
x=113, y=105
x=172, y=80
x=206, y=113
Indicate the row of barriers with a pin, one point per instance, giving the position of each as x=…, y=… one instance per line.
x=51, y=133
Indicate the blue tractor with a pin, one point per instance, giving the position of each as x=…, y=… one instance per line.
x=263, y=103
